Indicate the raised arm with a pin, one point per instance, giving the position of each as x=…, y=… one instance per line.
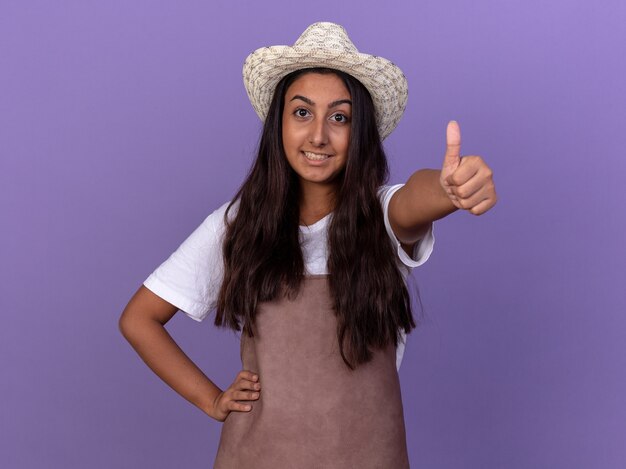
x=463, y=183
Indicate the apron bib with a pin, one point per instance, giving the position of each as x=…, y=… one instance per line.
x=313, y=411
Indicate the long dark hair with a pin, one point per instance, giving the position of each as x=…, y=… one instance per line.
x=262, y=255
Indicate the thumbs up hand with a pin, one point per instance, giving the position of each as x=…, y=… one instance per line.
x=467, y=181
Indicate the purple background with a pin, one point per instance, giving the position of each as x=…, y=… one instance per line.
x=123, y=124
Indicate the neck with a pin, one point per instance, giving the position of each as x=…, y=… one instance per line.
x=316, y=201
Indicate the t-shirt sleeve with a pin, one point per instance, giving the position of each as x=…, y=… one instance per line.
x=422, y=249
x=191, y=277
x=400, y=348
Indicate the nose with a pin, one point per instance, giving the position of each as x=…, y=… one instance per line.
x=318, y=135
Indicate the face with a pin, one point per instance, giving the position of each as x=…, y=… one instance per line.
x=316, y=127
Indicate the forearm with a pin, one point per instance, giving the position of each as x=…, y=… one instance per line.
x=417, y=204
x=163, y=355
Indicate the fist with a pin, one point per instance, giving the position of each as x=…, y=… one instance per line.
x=467, y=181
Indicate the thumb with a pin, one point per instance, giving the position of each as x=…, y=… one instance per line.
x=452, y=159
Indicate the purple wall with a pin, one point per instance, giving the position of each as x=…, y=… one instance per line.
x=123, y=124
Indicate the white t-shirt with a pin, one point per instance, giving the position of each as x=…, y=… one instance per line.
x=191, y=277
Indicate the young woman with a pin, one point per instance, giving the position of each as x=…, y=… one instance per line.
x=309, y=262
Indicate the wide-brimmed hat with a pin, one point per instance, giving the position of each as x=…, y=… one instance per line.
x=327, y=45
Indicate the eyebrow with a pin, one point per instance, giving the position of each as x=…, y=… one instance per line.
x=311, y=103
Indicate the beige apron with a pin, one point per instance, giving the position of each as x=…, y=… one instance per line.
x=314, y=412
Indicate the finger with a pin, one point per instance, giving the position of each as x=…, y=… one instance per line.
x=483, y=206
x=246, y=395
x=467, y=203
x=246, y=384
x=451, y=195
x=467, y=169
x=247, y=374
x=452, y=157
x=468, y=189
x=453, y=198
x=238, y=407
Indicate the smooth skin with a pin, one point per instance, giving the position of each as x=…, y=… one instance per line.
x=316, y=120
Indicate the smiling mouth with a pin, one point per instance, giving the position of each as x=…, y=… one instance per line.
x=315, y=156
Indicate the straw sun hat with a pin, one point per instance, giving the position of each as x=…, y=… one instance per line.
x=327, y=45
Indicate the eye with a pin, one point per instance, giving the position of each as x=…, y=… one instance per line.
x=301, y=112
x=340, y=118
